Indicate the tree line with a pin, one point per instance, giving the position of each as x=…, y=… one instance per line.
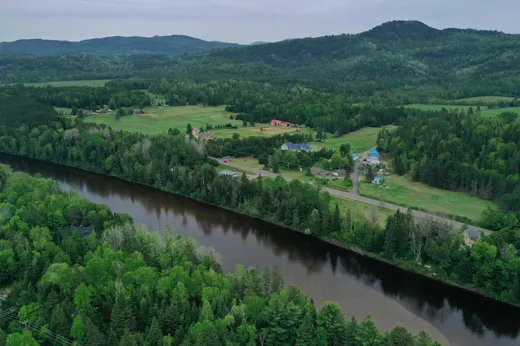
x=90, y=98
x=122, y=285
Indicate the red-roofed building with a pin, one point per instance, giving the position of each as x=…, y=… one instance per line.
x=275, y=122
x=195, y=131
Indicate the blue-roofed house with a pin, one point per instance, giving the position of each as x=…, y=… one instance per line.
x=374, y=153
x=296, y=147
x=377, y=180
x=355, y=157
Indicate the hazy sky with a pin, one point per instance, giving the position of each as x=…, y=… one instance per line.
x=241, y=21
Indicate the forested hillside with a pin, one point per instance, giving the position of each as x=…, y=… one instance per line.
x=172, y=45
x=398, y=62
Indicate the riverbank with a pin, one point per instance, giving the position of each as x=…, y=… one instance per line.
x=402, y=265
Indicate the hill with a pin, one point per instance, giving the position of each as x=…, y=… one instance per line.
x=407, y=61
x=172, y=45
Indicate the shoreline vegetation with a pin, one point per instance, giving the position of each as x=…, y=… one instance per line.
x=168, y=288
x=402, y=265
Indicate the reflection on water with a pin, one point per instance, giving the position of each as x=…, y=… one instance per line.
x=324, y=272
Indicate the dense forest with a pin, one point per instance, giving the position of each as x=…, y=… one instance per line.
x=91, y=98
x=177, y=163
x=460, y=151
x=398, y=62
x=123, y=285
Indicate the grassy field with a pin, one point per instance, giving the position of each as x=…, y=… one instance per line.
x=159, y=120
x=485, y=112
x=360, y=140
x=259, y=130
x=402, y=191
x=484, y=99
x=90, y=83
x=494, y=112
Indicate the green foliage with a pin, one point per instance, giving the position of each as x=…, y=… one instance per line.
x=21, y=339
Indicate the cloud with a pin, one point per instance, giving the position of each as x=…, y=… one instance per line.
x=240, y=20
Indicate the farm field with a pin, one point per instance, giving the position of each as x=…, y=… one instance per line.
x=159, y=120
x=401, y=190
x=90, y=83
x=360, y=140
x=259, y=130
x=489, y=113
x=485, y=112
x=483, y=99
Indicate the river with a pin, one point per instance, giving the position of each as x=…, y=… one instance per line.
x=362, y=286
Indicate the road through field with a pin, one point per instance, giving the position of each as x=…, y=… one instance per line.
x=348, y=195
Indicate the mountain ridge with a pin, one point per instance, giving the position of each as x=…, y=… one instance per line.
x=114, y=45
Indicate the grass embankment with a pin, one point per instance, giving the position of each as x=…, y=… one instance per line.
x=401, y=190
x=159, y=120
x=485, y=112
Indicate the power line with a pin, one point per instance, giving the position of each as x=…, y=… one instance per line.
x=58, y=339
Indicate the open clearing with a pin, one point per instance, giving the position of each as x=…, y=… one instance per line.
x=259, y=130
x=360, y=140
x=90, y=83
x=159, y=120
x=484, y=99
x=402, y=191
x=485, y=112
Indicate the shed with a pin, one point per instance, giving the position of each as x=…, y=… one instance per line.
x=341, y=171
x=355, y=157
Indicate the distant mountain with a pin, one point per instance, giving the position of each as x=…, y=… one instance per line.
x=171, y=45
x=405, y=55
x=258, y=42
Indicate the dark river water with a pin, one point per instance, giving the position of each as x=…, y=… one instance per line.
x=324, y=272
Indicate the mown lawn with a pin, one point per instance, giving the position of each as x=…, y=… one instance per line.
x=159, y=120
x=401, y=190
x=360, y=140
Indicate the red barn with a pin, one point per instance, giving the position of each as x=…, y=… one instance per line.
x=275, y=122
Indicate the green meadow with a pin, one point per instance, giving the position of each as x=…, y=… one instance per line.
x=360, y=140
x=401, y=190
x=159, y=119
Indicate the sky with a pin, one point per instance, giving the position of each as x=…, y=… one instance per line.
x=241, y=21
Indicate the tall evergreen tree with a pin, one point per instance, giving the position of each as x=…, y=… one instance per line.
x=122, y=316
